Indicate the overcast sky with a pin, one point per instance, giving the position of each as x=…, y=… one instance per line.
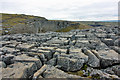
x=76, y=10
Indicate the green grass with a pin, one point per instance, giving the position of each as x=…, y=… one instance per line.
x=84, y=67
x=10, y=20
x=14, y=19
x=107, y=24
x=79, y=73
x=86, y=25
x=69, y=28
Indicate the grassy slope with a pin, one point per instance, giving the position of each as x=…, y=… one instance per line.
x=13, y=19
x=69, y=28
x=87, y=25
x=101, y=23
x=10, y=20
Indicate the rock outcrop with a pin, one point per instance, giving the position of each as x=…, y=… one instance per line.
x=14, y=23
x=84, y=54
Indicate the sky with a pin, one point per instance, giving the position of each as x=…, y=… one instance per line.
x=73, y=10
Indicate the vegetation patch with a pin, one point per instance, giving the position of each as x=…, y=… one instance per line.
x=12, y=20
x=80, y=73
x=69, y=28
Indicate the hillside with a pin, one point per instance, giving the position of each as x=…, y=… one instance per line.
x=21, y=23
x=10, y=20
x=98, y=23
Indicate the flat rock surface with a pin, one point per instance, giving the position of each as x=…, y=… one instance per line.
x=83, y=54
x=23, y=67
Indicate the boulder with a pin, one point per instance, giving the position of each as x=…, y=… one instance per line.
x=98, y=74
x=40, y=55
x=47, y=48
x=68, y=64
x=58, y=41
x=13, y=44
x=8, y=59
x=101, y=35
x=2, y=64
x=50, y=45
x=108, y=42
x=39, y=72
x=107, y=57
x=7, y=50
x=25, y=46
x=61, y=50
x=24, y=67
x=114, y=70
x=81, y=43
x=72, y=61
x=56, y=55
x=116, y=48
x=48, y=54
x=3, y=43
x=93, y=61
x=52, y=62
x=65, y=36
x=52, y=72
x=117, y=42
x=80, y=36
x=76, y=53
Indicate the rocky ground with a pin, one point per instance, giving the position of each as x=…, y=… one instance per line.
x=84, y=54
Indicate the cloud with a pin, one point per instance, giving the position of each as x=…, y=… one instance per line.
x=63, y=9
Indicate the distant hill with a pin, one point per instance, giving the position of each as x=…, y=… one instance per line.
x=98, y=23
x=21, y=23
x=110, y=21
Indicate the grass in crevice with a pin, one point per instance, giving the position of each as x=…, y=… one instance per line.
x=80, y=72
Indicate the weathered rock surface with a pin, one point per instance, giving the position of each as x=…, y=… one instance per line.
x=23, y=67
x=102, y=75
x=72, y=61
x=90, y=53
x=93, y=61
x=52, y=72
x=107, y=57
x=2, y=64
